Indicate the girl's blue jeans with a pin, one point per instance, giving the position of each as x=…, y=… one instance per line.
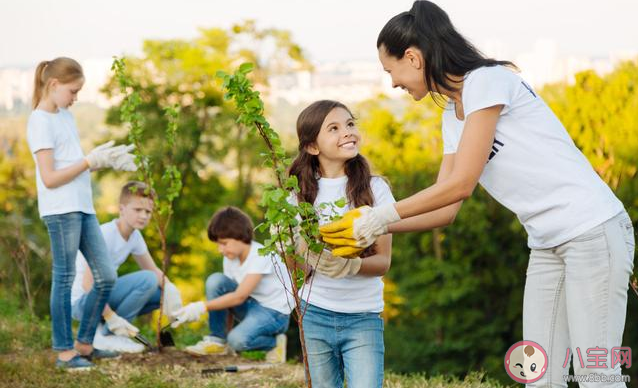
x=344, y=346
x=69, y=233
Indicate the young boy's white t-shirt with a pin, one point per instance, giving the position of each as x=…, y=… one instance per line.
x=57, y=131
x=118, y=251
x=352, y=294
x=534, y=169
x=270, y=291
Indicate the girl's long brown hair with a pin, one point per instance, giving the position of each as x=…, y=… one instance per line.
x=306, y=166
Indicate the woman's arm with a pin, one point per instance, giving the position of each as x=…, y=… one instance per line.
x=436, y=218
x=469, y=161
x=53, y=178
x=379, y=263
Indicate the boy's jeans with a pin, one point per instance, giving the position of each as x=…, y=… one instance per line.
x=340, y=343
x=133, y=294
x=258, y=325
x=576, y=298
x=68, y=233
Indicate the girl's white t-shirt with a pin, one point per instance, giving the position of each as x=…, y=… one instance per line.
x=352, y=294
x=534, y=169
x=118, y=251
x=57, y=131
x=273, y=291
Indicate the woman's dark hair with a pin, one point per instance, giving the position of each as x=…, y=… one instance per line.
x=306, y=166
x=445, y=51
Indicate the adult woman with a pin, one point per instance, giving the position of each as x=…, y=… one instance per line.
x=498, y=132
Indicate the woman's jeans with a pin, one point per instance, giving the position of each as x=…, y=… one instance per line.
x=133, y=294
x=344, y=345
x=68, y=233
x=576, y=301
x=258, y=325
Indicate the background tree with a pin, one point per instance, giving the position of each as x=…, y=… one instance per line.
x=218, y=159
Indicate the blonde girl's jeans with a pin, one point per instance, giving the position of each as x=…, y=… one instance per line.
x=576, y=299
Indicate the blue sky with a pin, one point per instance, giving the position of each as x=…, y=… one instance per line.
x=329, y=30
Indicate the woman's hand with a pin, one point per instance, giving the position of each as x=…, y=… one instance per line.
x=358, y=229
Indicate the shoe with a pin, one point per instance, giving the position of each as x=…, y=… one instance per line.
x=207, y=346
x=76, y=364
x=99, y=354
x=116, y=343
x=277, y=355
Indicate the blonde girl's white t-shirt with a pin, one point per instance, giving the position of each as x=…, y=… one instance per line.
x=57, y=131
x=352, y=294
x=534, y=169
x=270, y=291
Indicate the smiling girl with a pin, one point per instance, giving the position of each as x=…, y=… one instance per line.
x=342, y=324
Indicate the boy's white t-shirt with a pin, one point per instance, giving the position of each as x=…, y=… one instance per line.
x=352, y=294
x=270, y=291
x=534, y=169
x=58, y=132
x=118, y=251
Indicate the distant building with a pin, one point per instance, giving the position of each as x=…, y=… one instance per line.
x=350, y=82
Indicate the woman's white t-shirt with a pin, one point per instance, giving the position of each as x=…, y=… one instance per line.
x=534, y=169
x=57, y=131
x=270, y=291
x=352, y=294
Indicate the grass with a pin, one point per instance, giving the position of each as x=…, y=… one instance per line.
x=27, y=361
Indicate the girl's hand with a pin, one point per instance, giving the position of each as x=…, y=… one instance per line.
x=106, y=155
x=358, y=229
x=334, y=266
x=99, y=156
x=124, y=161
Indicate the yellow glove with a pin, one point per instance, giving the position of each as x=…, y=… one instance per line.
x=358, y=229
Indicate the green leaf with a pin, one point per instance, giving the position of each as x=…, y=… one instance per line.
x=246, y=67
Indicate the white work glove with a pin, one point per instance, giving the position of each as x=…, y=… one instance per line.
x=358, y=229
x=106, y=155
x=122, y=159
x=99, y=156
x=332, y=266
x=189, y=313
x=120, y=326
x=172, y=299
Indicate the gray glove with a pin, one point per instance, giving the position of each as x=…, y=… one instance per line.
x=333, y=266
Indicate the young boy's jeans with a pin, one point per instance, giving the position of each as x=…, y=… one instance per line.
x=133, y=294
x=341, y=344
x=576, y=299
x=258, y=325
x=68, y=233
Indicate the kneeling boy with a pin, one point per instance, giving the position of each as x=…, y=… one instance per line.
x=250, y=287
x=133, y=294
